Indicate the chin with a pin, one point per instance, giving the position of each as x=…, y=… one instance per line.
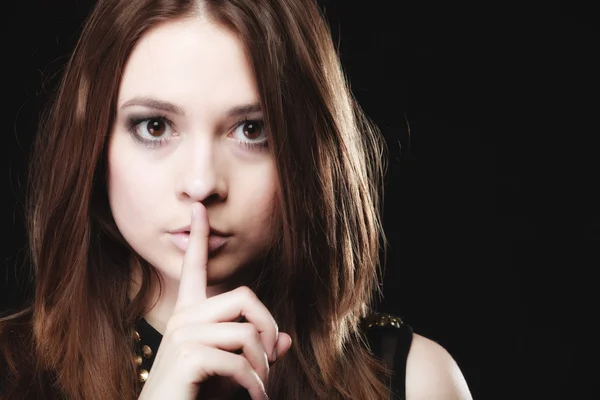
x=221, y=269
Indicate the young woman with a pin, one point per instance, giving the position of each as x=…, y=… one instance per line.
x=204, y=219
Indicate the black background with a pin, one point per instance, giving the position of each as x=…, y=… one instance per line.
x=490, y=112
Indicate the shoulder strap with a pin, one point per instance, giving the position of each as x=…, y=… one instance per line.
x=390, y=340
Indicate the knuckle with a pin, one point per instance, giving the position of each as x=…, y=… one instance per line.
x=250, y=333
x=246, y=293
x=242, y=364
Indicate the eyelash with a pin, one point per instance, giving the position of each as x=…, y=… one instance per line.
x=134, y=122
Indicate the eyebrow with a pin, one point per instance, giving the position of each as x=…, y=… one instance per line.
x=175, y=109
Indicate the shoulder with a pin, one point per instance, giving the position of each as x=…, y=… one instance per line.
x=432, y=373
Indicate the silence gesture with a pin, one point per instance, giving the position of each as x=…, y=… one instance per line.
x=202, y=340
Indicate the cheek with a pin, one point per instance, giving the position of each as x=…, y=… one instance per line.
x=130, y=188
x=256, y=202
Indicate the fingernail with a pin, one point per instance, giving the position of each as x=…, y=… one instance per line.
x=194, y=210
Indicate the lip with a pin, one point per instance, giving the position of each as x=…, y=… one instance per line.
x=187, y=228
x=215, y=242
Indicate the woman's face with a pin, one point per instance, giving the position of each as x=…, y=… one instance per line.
x=185, y=132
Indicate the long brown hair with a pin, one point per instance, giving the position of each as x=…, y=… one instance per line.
x=330, y=164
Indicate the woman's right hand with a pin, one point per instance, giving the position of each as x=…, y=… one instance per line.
x=201, y=335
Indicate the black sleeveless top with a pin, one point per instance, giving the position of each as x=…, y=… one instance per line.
x=389, y=338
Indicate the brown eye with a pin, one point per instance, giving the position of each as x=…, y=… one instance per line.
x=252, y=129
x=156, y=128
x=250, y=134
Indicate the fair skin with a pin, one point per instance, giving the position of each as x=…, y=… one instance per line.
x=197, y=168
x=199, y=156
x=203, y=158
x=432, y=373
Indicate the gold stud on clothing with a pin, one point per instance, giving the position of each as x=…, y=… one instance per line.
x=395, y=322
x=383, y=320
x=142, y=352
x=142, y=357
x=146, y=351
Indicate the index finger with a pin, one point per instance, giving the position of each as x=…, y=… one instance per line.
x=192, y=284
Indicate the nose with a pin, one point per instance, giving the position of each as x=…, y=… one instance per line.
x=202, y=178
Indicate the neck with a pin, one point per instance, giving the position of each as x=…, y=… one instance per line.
x=164, y=302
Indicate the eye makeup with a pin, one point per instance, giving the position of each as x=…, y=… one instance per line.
x=137, y=126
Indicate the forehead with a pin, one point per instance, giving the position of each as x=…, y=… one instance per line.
x=189, y=61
